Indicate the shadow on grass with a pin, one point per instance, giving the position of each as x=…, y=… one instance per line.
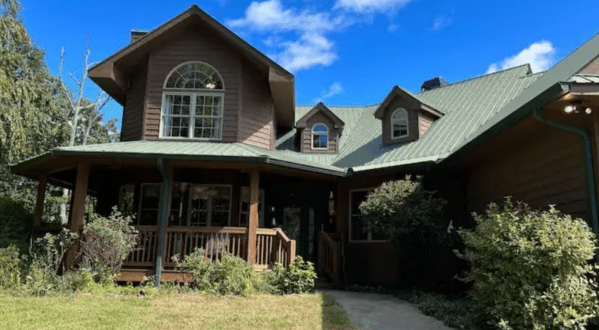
x=334, y=317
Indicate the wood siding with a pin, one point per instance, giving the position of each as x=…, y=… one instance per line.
x=425, y=120
x=194, y=44
x=133, y=110
x=256, y=120
x=591, y=68
x=306, y=135
x=413, y=125
x=541, y=167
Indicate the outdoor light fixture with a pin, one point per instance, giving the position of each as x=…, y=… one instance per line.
x=569, y=109
x=576, y=107
x=588, y=111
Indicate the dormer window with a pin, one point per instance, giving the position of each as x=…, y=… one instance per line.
x=399, y=123
x=320, y=137
x=193, y=103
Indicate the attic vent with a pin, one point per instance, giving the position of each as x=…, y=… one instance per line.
x=137, y=34
x=433, y=83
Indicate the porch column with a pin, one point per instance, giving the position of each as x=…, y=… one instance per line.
x=39, y=206
x=253, y=221
x=77, y=211
x=164, y=210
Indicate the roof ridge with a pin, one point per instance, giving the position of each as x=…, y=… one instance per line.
x=341, y=106
x=475, y=77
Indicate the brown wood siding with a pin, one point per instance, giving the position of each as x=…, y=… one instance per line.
x=425, y=120
x=193, y=44
x=256, y=125
x=591, y=68
x=540, y=168
x=132, y=124
x=413, y=128
x=319, y=118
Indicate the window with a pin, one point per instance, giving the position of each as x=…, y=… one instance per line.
x=244, y=208
x=399, y=123
x=149, y=203
x=193, y=103
x=210, y=206
x=358, y=230
x=320, y=137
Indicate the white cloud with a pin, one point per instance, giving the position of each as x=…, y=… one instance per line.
x=540, y=55
x=441, y=21
x=333, y=90
x=392, y=27
x=370, y=6
x=310, y=50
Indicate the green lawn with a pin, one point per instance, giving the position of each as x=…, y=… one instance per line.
x=175, y=311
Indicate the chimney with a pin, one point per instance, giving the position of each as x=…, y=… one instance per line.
x=137, y=34
x=433, y=83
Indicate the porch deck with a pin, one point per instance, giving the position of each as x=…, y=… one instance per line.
x=272, y=245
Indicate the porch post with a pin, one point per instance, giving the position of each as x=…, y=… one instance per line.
x=77, y=211
x=253, y=221
x=39, y=206
x=164, y=211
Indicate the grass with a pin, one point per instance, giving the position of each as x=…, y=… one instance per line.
x=175, y=311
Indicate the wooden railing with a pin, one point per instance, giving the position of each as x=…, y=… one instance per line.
x=182, y=241
x=328, y=255
x=272, y=245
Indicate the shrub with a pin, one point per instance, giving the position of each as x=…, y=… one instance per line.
x=530, y=268
x=229, y=276
x=402, y=209
x=11, y=268
x=16, y=221
x=299, y=277
x=106, y=243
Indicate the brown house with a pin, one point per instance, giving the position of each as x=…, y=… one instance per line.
x=215, y=153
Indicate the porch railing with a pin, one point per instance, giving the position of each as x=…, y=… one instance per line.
x=271, y=245
x=328, y=255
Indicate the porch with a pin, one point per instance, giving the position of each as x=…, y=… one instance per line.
x=261, y=213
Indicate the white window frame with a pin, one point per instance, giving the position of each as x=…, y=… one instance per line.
x=328, y=134
x=400, y=120
x=350, y=215
x=209, y=210
x=141, y=192
x=193, y=94
x=242, y=199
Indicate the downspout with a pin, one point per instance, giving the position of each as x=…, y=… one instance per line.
x=162, y=219
x=588, y=164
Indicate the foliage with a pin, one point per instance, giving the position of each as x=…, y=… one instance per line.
x=11, y=267
x=530, y=268
x=299, y=277
x=106, y=243
x=229, y=276
x=15, y=223
x=402, y=209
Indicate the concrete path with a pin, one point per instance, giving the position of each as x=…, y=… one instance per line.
x=370, y=311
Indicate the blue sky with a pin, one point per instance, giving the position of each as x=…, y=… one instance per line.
x=344, y=52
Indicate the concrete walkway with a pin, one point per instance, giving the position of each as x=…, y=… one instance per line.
x=370, y=311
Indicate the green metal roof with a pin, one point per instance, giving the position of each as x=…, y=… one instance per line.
x=585, y=79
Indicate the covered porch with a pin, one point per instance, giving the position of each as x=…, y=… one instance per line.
x=248, y=209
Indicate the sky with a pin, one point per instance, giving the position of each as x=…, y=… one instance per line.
x=341, y=52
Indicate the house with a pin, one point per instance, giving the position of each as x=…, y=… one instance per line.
x=214, y=153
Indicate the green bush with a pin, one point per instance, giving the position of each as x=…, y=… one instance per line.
x=530, y=268
x=16, y=221
x=229, y=276
x=11, y=268
x=299, y=277
x=105, y=245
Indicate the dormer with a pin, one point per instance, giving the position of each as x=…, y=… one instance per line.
x=405, y=118
x=319, y=130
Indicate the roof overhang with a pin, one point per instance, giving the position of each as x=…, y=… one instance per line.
x=112, y=73
x=320, y=107
x=397, y=91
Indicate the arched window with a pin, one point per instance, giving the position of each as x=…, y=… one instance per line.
x=320, y=136
x=399, y=123
x=193, y=103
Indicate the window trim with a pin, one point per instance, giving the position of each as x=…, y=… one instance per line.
x=350, y=216
x=209, y=219
x=193, y=93
x=392, y=122
x=328, y=134
x=260, y=212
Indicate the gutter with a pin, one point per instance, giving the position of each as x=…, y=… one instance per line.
x=164, y=197
x=588, y=164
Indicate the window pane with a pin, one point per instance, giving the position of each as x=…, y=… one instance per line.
x=220, y=219
x=357, y=198
x=150, y=197
x=148, y=218
x=358, y=230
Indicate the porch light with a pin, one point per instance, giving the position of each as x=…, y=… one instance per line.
x=588, y=111
x=569, y=109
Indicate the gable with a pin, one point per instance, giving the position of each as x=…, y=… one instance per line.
x=323, y=111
